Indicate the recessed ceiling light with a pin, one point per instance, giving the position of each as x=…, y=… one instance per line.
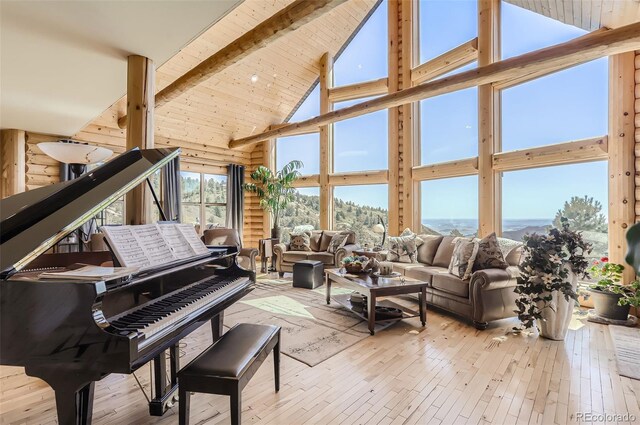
x=254, y=78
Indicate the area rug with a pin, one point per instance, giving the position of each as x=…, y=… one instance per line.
x=312, y=331
x=626, y=342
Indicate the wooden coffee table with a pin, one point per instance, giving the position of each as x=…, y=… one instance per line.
x=375, y=287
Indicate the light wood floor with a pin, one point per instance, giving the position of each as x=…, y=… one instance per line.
x=449, y=373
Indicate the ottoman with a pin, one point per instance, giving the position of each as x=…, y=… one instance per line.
x=307, y=274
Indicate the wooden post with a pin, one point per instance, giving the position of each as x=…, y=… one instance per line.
x=489, y=190
x=393, y=15
x=140, y=127
x=326, y=144
x=269, y=161
x=12, y=162
x=410, y=121
x=621, y=156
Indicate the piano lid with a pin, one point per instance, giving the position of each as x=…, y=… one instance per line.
x=32, y=222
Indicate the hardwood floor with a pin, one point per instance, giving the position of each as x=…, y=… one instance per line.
x=449, y=373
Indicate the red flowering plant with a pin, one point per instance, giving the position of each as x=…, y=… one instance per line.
x=610, y=280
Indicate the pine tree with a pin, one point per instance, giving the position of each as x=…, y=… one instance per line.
x=583, y=213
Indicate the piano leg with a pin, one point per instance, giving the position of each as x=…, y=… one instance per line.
x=163, y=393
x=75, y=407
x=217, y=327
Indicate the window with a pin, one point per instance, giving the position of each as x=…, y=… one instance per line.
x=305, y=148
x=445, y=24
x=561, y=107
x=533, y=200
x=524, y=31
x=114, y=213
x=361, y=143
x=204, y=199
x=450, y=206
x=449, y=126
x=357, y=208
x=305, y=210
x=365, y=58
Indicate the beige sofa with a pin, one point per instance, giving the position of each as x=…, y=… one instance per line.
x=488, y=295
x=285, y=258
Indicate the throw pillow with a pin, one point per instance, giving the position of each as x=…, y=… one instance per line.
x=403, y=249
x=337, y=242
x=316, y=236
x=428, y=248
x=489, y=254
x=408, y=232
x=464, y=254
x=300, y=241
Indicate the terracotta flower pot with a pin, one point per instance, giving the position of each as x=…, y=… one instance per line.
x=557, y=315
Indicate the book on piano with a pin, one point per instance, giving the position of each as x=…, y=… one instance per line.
x=150, y=245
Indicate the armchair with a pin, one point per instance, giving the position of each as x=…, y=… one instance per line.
x=229, y=237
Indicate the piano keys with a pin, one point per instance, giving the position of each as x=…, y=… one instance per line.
x=70, y=333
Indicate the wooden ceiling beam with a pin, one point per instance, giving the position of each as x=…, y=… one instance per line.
x=359, y=90
x=566, y=54
x=282, y=23
x=455, y=58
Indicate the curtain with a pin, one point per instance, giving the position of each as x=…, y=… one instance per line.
x=171, y=195
x=235, y=198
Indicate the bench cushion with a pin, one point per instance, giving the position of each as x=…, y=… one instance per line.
x=233, y=352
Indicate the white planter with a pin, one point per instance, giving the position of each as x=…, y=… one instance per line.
x=557, y=314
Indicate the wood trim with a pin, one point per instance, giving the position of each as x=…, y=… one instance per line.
x=140, y=130
x=13, y=161
x=489, y=181
x=621, y=158
x=442, y=170
x=574, y=152
x=359, y=178
x=410, y=123
x=359, y=90
x=326, y=143
x=311, y=180
x=455, y=58
x=279, y=25
x=566, y=54
x=394, y=135
x=505, y=84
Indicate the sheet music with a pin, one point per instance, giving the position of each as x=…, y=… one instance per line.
x=125, y=246
x=177, y=241
x=154, y=245
x=192, y=238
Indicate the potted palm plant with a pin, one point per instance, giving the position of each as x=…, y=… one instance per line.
x=548, y=279
x=275, y=190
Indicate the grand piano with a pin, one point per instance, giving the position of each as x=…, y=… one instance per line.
x=72, y=334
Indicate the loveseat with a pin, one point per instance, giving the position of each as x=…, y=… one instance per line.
x=488, y=295
x=320, y=239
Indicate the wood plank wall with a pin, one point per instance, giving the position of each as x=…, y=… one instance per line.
x=42, y=170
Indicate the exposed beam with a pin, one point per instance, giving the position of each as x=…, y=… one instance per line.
x=455, y=58
x=586, y=150
x=285, y=21
x=505, y=84
x=621, y=158
x=566, y=54
x=140, y=106
x=359, y=178
x=359, y=90
x=311, y=180
x=457, y=168
x=393, y=116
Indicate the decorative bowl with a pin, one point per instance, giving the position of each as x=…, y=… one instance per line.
x=355, y=264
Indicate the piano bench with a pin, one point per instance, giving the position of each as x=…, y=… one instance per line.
x=227, y=366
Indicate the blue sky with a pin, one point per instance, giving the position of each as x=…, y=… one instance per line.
x=565, y=106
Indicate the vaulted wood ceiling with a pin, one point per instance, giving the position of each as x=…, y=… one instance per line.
x=586, y=14
x=230, y=105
